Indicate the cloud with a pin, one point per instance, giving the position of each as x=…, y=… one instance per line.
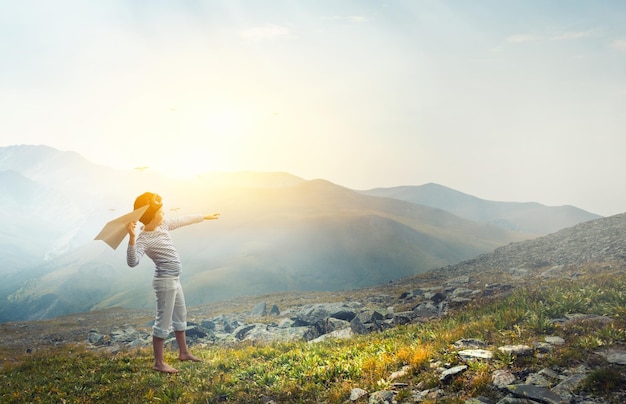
x=522, y=38
x=266, y=32
x=349, y=18
x=574, y=35
x=619, y=44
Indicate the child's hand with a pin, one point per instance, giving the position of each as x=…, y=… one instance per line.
x=214, y=216
x=131, y=228
x=131, y=232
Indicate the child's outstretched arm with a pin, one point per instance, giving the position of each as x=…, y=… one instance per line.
x=175, y=223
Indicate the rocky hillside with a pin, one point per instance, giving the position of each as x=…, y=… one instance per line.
x=559, y=255
x=600, y=240
x=590, y=250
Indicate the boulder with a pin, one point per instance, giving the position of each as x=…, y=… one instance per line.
x=260, y=310
x=357, y=326
x=274, y=311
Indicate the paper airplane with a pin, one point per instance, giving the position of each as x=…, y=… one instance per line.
x=114, y=232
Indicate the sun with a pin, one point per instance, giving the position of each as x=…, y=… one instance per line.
x=208, y=137
x=221, y=122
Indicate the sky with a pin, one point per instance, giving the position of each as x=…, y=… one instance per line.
x=504, y=100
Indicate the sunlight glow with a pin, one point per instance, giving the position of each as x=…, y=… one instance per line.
x=217, y=132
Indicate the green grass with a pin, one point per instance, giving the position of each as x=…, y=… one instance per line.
x=298, y=372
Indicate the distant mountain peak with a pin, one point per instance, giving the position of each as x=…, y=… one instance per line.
x=528, y=217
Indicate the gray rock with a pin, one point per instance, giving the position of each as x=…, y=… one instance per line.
x=478, y=400
x=537, y=393
x=357, y=393
x=226, y=324
x=475, y=354
x=95, y=338
x=538, y=380
x=459, y=301
x=448, y=374
x=519, y=350
x=512, y=400
x=427, y=310
x=207, y=324
x=369, y=316
x=502, y=378
x=318, y=313
x=430, y=394
x=381, y=397
x=140, y=343
x=126, y=335
x=357, y=326
x=615, y=356
x=271, y=334
x=241, y=331
x=400, y=373
x=260, y=310
x=567, y=387
x=274, y=311
x=343, y=314
x=346, y=333
x=554, y=340
x=286, y=323
x=543, y=347
x=404, y=317
x=462, y=292
x=458, y=281
x=437, y=297
x=195, y=332
x=333, y=324
x=549, y=374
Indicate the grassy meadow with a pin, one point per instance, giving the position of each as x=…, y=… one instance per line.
x=326, y=372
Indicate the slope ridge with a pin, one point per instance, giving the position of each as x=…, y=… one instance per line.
x=526, y=217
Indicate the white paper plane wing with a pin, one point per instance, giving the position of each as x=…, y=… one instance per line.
x=114, y=232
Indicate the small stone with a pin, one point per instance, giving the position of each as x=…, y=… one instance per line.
x=567, y=387
x=400, y=373
x=475, y=353
x=502, y=378
x=447, y=374
x=543, y=347
x=519, y=350
x=554, y=340
x=615, y=356
x=357, y=393
x=535, y=393
x=381, y=397
x=95, y=338
x=537, y=380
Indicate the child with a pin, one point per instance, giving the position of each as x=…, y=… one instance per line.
x=155, y=241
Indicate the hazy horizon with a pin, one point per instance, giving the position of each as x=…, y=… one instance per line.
x=506, y=101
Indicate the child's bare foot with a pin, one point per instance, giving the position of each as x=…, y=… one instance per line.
x=188, y=357
x=165, y=368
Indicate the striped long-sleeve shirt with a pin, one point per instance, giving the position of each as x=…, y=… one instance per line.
x=158, y=245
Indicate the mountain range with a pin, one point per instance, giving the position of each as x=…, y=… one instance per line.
x=277, y=232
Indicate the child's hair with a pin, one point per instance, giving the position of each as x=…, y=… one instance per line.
x=153, y=200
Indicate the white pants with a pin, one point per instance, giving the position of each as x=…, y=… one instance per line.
x=171, y=309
